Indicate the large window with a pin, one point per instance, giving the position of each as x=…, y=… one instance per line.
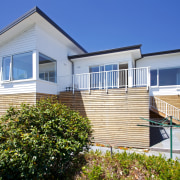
x=17, y=67
x=47, y=68
x=165, y=77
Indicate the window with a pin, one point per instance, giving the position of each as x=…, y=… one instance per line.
x=98, y=76
x=153, y=77
x=6, y=68
x=165, y=77
x=168, y=77
x=17, y=67
x=47, y=68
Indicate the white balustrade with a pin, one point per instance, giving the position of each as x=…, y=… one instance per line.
x=165, y=108
x=135, y=77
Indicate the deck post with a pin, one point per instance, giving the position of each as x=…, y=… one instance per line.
x=89, y=83
x=148, y=78
x=106, y=83
x=171, y=143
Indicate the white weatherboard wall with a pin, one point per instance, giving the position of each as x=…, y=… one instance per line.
x=24, y=42
x=82, y=65
x=50, y=46
x=161, y=61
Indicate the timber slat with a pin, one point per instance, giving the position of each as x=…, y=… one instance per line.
x=114, y=116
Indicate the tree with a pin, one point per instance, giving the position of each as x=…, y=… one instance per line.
x=41, y=141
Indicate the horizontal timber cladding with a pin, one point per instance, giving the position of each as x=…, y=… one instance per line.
x=16, y=100
x=114, y=115
x=45, y=96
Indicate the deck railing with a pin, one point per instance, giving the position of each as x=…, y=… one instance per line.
x=164, y=107
x=135, y=77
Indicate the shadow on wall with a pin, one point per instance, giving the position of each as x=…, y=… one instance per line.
x=74, y=101
x=157, y=135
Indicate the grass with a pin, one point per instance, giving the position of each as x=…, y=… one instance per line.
x=97, y=166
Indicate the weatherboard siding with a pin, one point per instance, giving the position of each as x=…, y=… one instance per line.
x=25, y=41
x=53, y=47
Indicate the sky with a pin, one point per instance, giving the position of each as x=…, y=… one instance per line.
x=107, y=24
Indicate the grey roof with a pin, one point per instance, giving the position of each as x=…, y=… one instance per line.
x=161, y=53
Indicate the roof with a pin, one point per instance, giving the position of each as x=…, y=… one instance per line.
x=161, y=53
x=128, y=48
x=41, y=13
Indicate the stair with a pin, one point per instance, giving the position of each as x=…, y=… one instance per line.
x=165, y=109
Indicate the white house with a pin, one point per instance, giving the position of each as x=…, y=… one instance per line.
x=38, y=58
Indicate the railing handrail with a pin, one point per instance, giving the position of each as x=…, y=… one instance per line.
x=168, y=111
x=112, y=71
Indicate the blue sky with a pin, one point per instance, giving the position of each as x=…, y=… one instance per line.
x=107, y=24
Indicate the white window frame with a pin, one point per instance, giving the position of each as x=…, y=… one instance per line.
x=10, y=69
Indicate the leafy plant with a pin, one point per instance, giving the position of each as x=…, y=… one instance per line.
x=128, y=166
x=41, y=141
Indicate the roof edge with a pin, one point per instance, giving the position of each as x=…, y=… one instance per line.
x=106, y=51
x=18, y=20
x=41, y=13
x=161, y=53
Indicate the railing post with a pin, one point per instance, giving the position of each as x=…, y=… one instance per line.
x=148, y=78
x=73, y=83
x=89, y=83
x=126, y=81
x=106, y=83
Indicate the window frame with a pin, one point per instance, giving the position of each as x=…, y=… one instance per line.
x=156, y=86
x=53, y=60
x=11, y=68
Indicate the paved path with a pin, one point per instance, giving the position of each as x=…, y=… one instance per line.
x=141, y=151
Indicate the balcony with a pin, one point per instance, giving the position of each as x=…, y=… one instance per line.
x=123, y=78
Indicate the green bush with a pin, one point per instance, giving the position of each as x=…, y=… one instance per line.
x=128, y=166
x=41, y=141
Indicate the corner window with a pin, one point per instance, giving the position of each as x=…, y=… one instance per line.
x=17, y=67
x=47, y=68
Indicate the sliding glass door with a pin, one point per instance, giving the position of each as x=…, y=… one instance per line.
x=104, y=76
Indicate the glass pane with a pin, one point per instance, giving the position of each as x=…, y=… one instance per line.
x=6, y=68
x=115, y=67
x=108, y=67
x=47, y=68
x=178, y=76
x=94, y=69
x=22, y=66
x=168, y=77
x=153, y=77
x=101, y=68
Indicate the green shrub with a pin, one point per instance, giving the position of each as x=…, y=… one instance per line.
x=41, y=141
x=128, y=166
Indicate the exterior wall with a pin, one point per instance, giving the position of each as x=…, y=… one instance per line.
x=82, y=65
x=16, y=100
x=114, y=116
x=52, y=47
x=161, y=61
x=26, y=41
